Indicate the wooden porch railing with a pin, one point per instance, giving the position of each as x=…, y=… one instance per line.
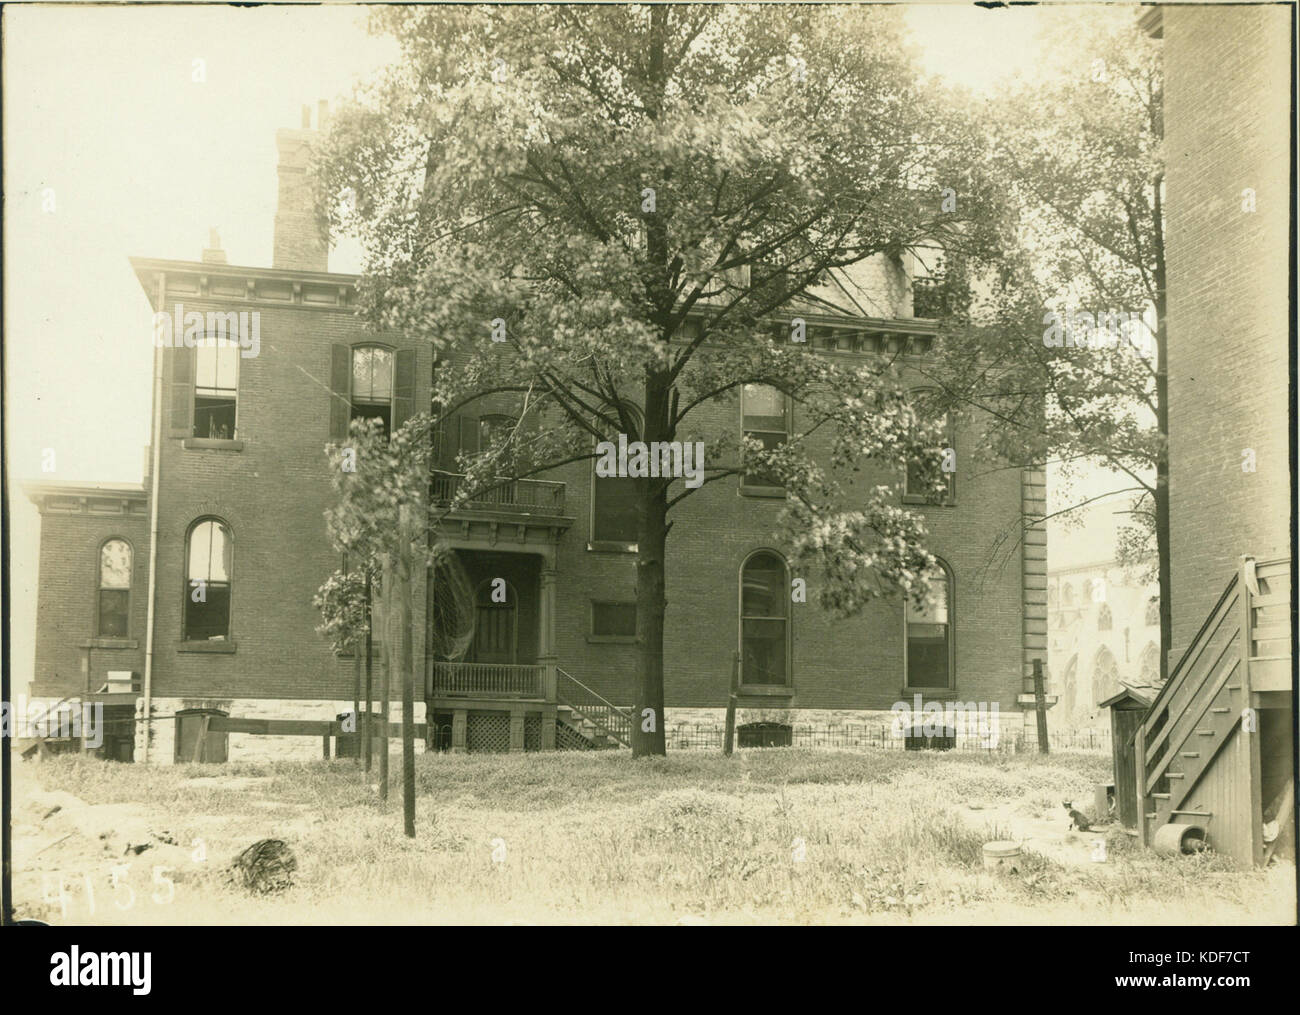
x=502, y=680
x=530, y=496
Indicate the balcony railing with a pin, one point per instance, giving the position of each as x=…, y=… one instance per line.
x=527, y=496
x=489, y=680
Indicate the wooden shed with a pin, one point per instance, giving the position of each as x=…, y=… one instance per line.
x=1127, y=709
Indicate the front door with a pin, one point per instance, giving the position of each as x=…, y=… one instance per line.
x=496, y=623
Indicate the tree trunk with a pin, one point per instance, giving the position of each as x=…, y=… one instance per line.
x=389, y=580
x=405, y=612
x=370, y=653
x=652, y=500
x=356, y=696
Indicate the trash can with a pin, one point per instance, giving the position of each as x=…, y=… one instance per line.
x=348, y=745
x=765, y=734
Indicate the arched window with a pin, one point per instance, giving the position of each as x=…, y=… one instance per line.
x=372, y=384
x=1153, y=612
x=114, y=588
x=1149, y=664
x=928, y=630
x=765, y=620
x=208, y=558
x=1067, y=595
x=1104, y=619
x=1105, y=676
x=1053, y=597
x=613, y=500
x=925, y=402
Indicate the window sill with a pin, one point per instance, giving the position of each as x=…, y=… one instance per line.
x=772, y=690
x=611, y=639
x=932, y=693
x=226, y=647
x=211, y=444
x=610, y=546
x=109, y=643
x=762, y=491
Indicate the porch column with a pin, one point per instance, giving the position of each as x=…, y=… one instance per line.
x=459, y=718
x=546, y=656
x=516, y=728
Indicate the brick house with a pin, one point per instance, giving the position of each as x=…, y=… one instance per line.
x=238, y=482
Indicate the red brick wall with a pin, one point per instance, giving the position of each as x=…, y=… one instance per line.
x=1226, y=129
x=837, y=663
x=67, y=600
x=273, y=494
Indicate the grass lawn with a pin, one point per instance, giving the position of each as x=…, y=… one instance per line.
x=791, y=835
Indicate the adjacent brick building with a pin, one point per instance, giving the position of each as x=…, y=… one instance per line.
x=242, y=483
x=1227, y=143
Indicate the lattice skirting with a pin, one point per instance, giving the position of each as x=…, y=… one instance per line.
x=532, y=732
x=488, y=732
x=569, y=739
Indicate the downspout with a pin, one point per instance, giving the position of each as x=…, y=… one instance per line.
x=153, y=529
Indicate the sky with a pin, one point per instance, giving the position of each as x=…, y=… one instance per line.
x=131, y=131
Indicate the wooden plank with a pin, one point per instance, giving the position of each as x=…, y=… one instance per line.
x=202, y=738
x=1273, y=632
x=1270, y=675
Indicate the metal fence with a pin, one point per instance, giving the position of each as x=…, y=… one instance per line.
x=882, y=736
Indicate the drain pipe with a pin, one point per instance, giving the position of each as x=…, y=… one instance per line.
x=153, y=529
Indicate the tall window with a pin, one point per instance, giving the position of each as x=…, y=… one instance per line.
x=613, y=502
x=207, y=581
x=765, y=417
x=1153, y=612
x=764, y=620
x=493, y=429
x=114, y=588
x=1104, y=620
x=928, y=630
x=216, y=388
x=924, y=402
x=372, y=384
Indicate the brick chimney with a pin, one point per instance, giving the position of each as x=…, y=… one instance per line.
x=300, y=237
x=212, y=253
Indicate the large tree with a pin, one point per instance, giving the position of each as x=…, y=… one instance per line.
x=629, y=197
x=1080, y=151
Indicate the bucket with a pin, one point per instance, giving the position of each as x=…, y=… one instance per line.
x=1002, y=856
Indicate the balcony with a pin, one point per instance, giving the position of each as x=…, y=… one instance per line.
x=509, y=496
x=486, y=680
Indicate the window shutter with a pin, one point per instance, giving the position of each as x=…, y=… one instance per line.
x=340, y=388
x=403, y=386
x=182, y=392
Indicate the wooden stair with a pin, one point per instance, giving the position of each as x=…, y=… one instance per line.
x=1206, y=705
